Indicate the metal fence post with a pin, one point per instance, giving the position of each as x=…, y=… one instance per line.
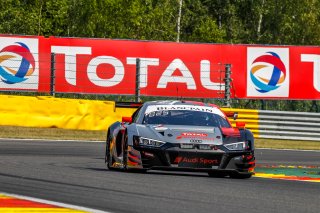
x=52, y=74
x=227, y=81
x=137, y=92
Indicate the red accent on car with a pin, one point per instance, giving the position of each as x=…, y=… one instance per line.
x=240, y=125
x=178, y=160
x=230, y=132
x=132, y=162
x=248, y=157
x=133, y=156
x=127, y=119
x=252, y=162
x=229, y=114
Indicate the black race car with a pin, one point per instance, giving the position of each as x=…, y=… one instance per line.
x=180, y=135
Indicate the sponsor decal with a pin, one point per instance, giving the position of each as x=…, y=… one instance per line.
x=18, y=63
x=178, y=160
x=191, y=135
x=315, y=60
x=157, y=108
x=268, y=72
x=188, y=78
x=196, y=160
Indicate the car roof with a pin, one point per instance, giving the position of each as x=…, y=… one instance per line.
x=180, y=102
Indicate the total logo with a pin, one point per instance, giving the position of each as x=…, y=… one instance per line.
x=267, y=72
x=191, y=135
x=18, y=63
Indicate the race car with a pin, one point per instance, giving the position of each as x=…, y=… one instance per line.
x=181, y=136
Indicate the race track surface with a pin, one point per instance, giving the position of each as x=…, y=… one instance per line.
x=75, y=173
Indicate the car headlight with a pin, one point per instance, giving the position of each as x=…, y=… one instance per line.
x=150, y=142
x=236, y=146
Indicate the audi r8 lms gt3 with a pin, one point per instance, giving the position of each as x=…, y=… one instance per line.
x=180, y=135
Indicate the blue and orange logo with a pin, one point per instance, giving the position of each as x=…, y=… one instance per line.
x=278, y=74
x=16, y=62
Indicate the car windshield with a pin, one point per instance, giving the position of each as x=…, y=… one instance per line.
x=185, y=117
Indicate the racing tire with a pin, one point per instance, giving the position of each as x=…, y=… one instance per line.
x=125, y=153
x=240, y=176
x=108, y=157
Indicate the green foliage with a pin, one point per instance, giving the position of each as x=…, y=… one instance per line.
x=220, y=21
x=285, y=22
x=12, y=17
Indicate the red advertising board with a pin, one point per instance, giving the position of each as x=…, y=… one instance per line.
x=104, y=66
x=166, y=69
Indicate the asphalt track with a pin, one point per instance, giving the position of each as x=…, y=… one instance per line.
x=75, y=173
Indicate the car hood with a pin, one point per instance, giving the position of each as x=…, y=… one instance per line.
x=181, y=134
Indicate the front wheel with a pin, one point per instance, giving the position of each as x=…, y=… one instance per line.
x=108, y=157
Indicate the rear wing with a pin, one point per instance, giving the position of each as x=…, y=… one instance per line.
x=128, y=104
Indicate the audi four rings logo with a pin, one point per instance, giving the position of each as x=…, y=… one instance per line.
x=195, y=141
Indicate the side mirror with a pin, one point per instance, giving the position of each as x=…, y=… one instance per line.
x=127, y=119
x=240, y=125
x=235, y=116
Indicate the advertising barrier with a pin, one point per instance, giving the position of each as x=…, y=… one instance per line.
x=105, y=66
x=51, y=112
x=44, y=111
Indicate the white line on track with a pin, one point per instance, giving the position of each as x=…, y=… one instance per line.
x=69, y=206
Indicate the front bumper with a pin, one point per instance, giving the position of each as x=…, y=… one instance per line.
x=174, y=158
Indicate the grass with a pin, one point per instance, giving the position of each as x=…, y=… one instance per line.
x=287, y=144
x=64, y=134
x=51, y=133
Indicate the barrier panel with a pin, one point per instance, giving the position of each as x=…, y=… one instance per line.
x=166, y=69
x=280, y=124
x=289, y=125
x=248, y=116
x=43, y=111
